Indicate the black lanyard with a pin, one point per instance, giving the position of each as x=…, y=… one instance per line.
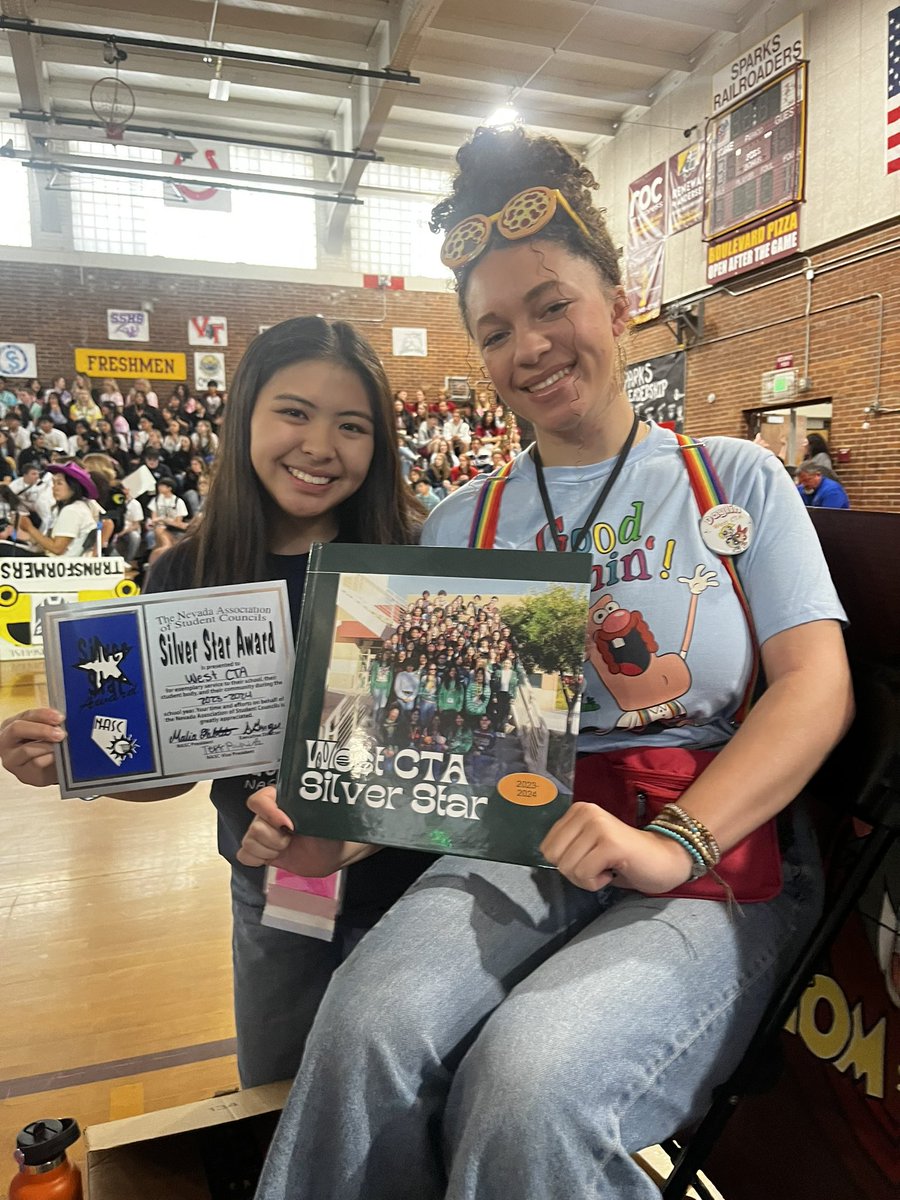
x=576, y=543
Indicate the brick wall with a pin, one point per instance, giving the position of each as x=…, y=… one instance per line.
x=843, y=361
x=60, y=308
x=63, y=307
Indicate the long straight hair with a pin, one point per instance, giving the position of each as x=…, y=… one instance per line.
x=230, y=542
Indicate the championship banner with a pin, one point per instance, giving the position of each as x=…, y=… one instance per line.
x=28, y=586
x=131, y=365
x=655, y=389
x=645, y=251
x=756, y=245
x=686, y=172
x=210, y=157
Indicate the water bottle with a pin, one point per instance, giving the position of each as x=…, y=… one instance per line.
x=45, y=1172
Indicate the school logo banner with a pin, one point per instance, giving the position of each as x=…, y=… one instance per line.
x=18, y=360
x=207, y=331
x=209, y=367
x=126, y=325
x=210, y=157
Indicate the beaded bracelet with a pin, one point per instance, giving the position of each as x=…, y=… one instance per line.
x=686, y=831
x=692, y=829
x=698, y=827
x=698, y=862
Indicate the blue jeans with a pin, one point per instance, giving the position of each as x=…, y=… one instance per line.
x=503, y=1033
x=279, y=981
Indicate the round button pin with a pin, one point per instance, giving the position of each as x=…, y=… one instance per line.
x=727, y=529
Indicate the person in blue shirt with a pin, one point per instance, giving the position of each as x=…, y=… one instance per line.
x=7, y=398
x=817, y=490
x=508, y=1030
x=426, y=495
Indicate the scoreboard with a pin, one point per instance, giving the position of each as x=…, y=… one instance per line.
x=756, y=155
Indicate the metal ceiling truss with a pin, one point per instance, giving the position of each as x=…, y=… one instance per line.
x=60, y=121
x=32, y=28
x=307, y=189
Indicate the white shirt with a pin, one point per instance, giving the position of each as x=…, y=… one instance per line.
x=134, y=515
x=76, y=520
x=37, y=498
x=56, y=440
x=456, y=427
x=167, y=507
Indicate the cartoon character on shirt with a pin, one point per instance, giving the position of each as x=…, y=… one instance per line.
x=621, y=647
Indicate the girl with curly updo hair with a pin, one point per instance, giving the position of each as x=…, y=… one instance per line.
x=512, y=1031
x=498, y=164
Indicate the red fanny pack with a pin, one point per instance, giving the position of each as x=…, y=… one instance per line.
x=634, y=785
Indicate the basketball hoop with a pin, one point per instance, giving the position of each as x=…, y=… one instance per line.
x=113, y=102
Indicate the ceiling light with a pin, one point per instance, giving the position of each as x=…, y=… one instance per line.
x=505, y=115
x=219, y=88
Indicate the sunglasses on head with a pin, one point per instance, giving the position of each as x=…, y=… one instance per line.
x=521, y=216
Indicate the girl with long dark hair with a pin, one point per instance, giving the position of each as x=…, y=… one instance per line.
x=308, y=454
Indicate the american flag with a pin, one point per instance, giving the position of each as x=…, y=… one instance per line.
x=893, y=92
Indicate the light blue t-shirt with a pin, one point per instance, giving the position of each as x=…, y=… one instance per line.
x=669, y=648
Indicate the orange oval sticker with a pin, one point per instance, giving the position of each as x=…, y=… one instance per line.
x=529, y=790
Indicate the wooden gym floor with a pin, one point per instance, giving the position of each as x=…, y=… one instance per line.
x=115, y=958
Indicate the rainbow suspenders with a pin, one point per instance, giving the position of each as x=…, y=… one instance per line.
x=708, y=492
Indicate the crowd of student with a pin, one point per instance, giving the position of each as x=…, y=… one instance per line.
x=444, y=443
x=113, y=432
x=444, y=679
x=112, y=435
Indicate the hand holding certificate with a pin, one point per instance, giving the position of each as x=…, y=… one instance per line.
x=171, y=687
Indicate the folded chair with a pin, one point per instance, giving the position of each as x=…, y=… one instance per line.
x=861, y=780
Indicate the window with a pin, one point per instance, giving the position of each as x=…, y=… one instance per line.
x=109, y=214
x=15, y=223
x=389, y=235
x=130, y=216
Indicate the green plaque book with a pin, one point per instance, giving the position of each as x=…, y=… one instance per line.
x=434, y=699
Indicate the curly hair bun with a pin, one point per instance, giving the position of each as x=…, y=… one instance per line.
x=496, y=164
